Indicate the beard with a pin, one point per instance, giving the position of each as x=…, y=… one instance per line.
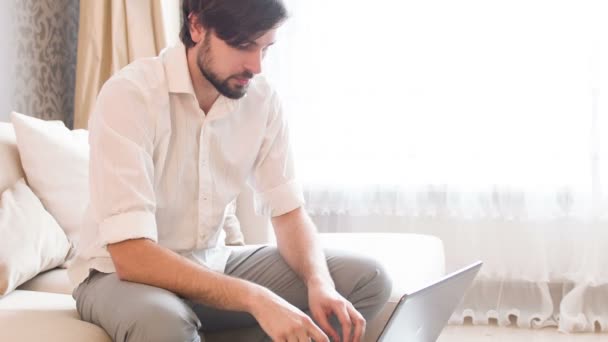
x=205, y=61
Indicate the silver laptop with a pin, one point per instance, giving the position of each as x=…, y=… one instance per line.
x=420, y=316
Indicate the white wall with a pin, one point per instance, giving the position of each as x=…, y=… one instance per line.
x=7, y=58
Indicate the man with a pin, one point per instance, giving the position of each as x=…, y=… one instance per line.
x=173, y=140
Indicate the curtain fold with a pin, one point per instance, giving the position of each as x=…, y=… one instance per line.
x=112, y=34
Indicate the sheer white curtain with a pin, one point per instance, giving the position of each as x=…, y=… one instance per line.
x=482, y=122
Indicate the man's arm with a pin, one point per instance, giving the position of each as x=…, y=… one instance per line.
x=144, y=261
x=298, y=244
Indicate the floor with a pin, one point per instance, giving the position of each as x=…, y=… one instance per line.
x=469, y=333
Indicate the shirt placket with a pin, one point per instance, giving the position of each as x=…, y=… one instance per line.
x=206, y=214
x=205, y=196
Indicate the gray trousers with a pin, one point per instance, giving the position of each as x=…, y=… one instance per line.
x=135, y=312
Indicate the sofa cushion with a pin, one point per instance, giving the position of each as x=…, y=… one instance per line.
x=54, y=281
x=31, y=242
x=10, y=170
x=411, y=260
x=39, y=316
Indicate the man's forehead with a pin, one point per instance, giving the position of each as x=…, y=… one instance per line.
x=268, y=38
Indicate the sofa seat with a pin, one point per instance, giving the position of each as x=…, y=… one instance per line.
x=43, y=316
x=33, y=313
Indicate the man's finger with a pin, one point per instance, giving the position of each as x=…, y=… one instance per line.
x=322, y=320
x=303, y=336
x=315, y=332
x=358, y=323
x=344, y=319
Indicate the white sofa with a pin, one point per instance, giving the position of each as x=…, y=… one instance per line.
x=42, y=309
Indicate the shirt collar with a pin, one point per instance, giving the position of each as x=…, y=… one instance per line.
x=178, y=75
x=176, y=69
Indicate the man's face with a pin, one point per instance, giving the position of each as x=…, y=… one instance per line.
x=229, y=68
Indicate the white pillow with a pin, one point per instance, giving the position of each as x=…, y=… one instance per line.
x=56, y=165
x=31, y=242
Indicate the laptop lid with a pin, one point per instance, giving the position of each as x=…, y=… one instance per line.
x=421, y=315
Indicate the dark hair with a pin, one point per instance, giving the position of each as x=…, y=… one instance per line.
x=233, y=21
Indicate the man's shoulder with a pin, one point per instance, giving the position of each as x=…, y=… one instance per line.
x=138, y=85
x=145, y=74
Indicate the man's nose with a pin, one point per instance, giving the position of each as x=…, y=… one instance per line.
x=254, y=62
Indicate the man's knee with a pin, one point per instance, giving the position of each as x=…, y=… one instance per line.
x=379, y=284
x=162, y=325
x=131, y=312
x=364, y=281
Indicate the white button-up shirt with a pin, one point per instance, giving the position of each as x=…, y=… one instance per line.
x=164, y=170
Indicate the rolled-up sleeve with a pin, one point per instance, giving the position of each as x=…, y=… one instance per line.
x=121, y=165
x=274, y=182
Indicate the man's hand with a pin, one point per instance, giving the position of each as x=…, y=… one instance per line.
x=284, y=322
x=323, y=301
x=297, y=242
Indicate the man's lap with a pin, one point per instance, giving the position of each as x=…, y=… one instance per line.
x=118, y=306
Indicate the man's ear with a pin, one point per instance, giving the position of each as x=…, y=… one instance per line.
x=197, y=31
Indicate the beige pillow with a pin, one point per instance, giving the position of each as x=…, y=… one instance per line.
x=31, y=242
x=56, y=165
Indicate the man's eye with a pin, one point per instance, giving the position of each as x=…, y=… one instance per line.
x=243, y=46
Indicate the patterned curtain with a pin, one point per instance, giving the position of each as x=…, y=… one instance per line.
x=42, y=67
